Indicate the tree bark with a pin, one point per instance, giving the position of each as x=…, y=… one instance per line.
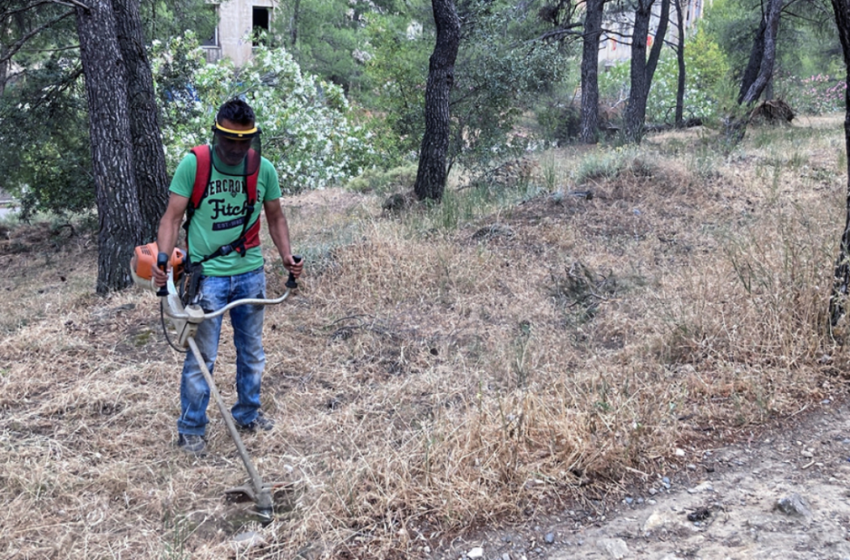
x=841, y=282
x=680, y=59
x=752, y=70
x=657, y=45
x=639, y=88
x=762, y=56
x=4, y=69
x=112, y=158
x=768, y=55
x=293, y=24
x=432, y=173
x=590, y=71
x=148, y=155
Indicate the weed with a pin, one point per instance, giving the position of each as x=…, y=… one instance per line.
x=604, y=164
x=540, y=362
x=382, y=182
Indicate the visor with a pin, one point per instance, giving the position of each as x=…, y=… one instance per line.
x=236, y=152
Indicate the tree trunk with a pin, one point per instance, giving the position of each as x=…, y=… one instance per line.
x=763, y=57
x=841, y=283
x=293, y=24
x=4, y=69
x=148, y=154
x=432, y=173
x=112, y=159
x=639, y=88
x=751, y=72
x=590, y=71
x=657, y=45
x=768, y=57
x=680, y=59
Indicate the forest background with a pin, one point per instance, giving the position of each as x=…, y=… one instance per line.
x=670, y=292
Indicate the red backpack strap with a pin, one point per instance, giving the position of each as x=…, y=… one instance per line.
x=203, y=170
x=252, y=234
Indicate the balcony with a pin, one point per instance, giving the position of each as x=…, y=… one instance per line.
x=212, y=53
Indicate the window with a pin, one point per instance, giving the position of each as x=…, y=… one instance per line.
x=213, y=40
x=260, y=23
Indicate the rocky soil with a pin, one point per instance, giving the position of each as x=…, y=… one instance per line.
x=783, y=496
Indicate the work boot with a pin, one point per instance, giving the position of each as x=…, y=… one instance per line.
x=258, y=423
x=192, y=444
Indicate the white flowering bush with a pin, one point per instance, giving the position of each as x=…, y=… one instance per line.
x=307, y=130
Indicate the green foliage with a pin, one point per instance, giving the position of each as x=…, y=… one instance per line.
x=174, y=64
x=496, y=80
x=559, y=120
x=498, y=74
x=43, y=111
x=807, y=44
x=44, y=116
x=399, y=69
x=707, y=91
x=732, y=24
x=329, y=39
x=813, y=95
x=706, y=60
x=381, y=182
x=307, y=131
x=164, y=19
x=605, y=164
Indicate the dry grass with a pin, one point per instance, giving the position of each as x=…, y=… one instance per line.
x=430, y=379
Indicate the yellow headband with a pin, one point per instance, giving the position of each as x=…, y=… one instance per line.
x=237, y=133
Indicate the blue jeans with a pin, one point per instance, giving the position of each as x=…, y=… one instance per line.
x=247, y=321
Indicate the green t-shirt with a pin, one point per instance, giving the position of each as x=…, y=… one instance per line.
x=220, y=218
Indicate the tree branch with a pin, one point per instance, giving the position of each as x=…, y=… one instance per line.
x=5, y=14
x=560, y=32
x=75, y=3
x=22, y=41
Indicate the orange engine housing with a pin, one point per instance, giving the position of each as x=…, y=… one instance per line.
x=144, y=261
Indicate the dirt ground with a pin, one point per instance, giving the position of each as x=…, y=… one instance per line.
x=782, y=495
x=418, y=350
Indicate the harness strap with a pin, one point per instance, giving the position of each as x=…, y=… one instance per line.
x=250, y=236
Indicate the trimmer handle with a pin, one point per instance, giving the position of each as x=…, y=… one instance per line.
x=162, y=264
x=290, y=282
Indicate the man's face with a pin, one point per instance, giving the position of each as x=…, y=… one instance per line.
x=230, y=150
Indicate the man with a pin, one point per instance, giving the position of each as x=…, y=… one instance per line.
x=222, y=234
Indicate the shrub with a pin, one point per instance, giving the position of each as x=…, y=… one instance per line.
x=307, y=131
x=380, y=182
x=814, y=95
x=706, y=78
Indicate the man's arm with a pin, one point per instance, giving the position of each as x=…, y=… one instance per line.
x=279, y=230
x=169, y=228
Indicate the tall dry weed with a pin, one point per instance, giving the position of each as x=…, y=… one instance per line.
x=505, y=355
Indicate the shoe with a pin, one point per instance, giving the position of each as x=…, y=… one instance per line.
x=258, y=423
x=192, y=444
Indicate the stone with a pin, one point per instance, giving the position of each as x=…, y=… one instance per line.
x=476, y=552
x=701, y=487
x=614, y=548
x=793, y=505
x=243, y=542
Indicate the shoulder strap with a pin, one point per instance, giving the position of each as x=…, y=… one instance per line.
x=203, y=170
x=251, y=234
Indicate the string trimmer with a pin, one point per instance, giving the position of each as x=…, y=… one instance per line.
x=180, y=307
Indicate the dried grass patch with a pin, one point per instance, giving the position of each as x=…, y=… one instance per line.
x=431, y=379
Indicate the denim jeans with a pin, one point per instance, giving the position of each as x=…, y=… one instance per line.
x=247, y=321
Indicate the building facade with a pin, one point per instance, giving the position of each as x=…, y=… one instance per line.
x=238, y=22
x=615, y=46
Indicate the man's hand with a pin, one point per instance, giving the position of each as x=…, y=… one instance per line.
x=160, y=278
x=293, y=267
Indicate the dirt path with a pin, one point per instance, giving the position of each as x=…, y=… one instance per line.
x=784, y=496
